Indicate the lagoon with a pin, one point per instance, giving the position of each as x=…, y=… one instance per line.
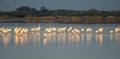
x=34, y=45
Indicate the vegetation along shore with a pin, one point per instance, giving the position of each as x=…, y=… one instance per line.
x=44, y=15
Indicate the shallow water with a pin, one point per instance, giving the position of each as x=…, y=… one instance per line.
x=60, y=46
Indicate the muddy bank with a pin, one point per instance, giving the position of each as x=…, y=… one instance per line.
x=68, y=20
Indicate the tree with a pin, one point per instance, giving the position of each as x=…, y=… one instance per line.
x=93, y=12
x=32, y=10
x=44, y=11
x=22, y=11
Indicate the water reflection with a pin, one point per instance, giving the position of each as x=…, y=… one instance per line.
x=23, y=36
x=35, y=37
x=6, y=39
x=71, y=38
x=22, y=39
x=117, y=37
x=5, y=34
x=74, y=37
x=82, y=38
x=49, y=38
x=99, y=39
x=61, y=38
x=56, y=36
x=89, y=36
x=77, y=39
x=111, y=38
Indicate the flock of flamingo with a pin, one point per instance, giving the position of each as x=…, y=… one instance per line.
x=77, y=31
x=19, y=30
x=50, y=32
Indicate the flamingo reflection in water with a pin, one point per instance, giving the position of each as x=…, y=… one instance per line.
x=5, y=35
x=111, y=32
x=49, y=36
x=61, y=35
x=20, y=35
x=26, y=35
x=99, y=38
x=89, y=36
x=117, y=34
x=82, y=35
x=52, y=35
x=35, y=34
x=73, y=35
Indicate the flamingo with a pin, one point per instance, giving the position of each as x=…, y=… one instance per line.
x=70, y=29
x=82, y=30
x=89, y=30
x=100, y=30
x=97, y=31
x=111, y=31
x=117, y=29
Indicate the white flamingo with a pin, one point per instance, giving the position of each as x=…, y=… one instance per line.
x=89, y=30
x=111, y=31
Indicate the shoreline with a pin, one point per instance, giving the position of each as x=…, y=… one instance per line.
x=65, y=20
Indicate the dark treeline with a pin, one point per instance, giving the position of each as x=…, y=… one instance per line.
x=24, y=11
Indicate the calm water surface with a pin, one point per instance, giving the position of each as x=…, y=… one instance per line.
x=34, y=45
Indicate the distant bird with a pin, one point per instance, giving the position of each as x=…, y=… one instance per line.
x=100, y=30
x=70, y=29
x=54, y=29
x=38, y=28
x=111, y=31
x=97, y=32
x=89, y=30
x=16, y=30
x=63, y=29
x=82, y=30
x=5, y=30
x=45, y=35
x=76, y=31
x=59, y=30
x=117, y=29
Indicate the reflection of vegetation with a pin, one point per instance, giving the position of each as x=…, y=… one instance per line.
x=27, y=11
